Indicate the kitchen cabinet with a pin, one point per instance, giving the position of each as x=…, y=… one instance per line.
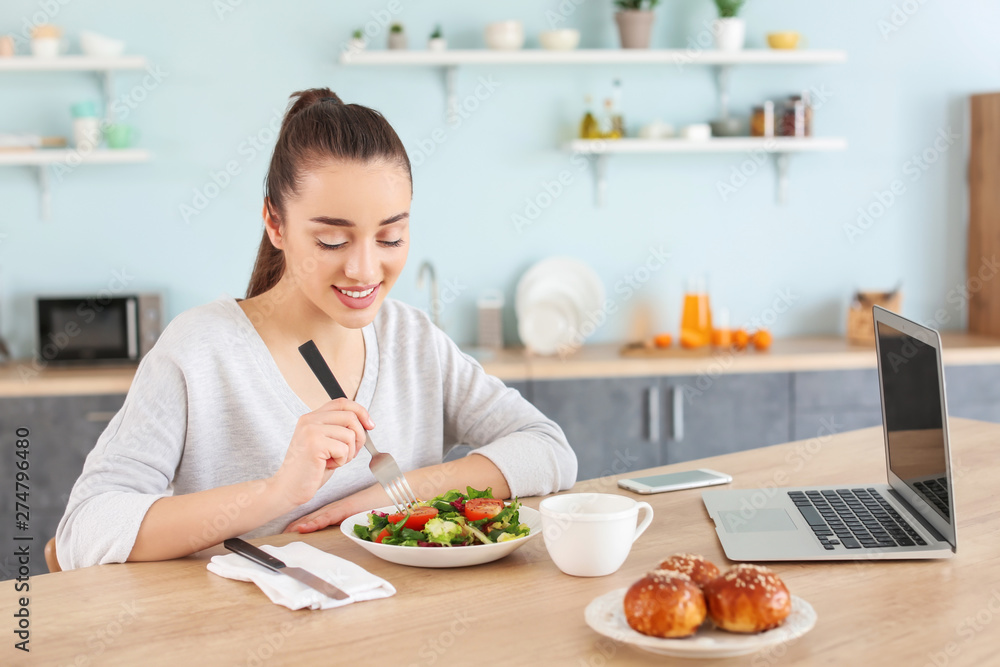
x=827, y=402
x=613, y=424
x=621, y=424
x=728, y=413
x=62, y=431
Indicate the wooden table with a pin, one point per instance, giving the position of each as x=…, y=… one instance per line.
x=522, y=610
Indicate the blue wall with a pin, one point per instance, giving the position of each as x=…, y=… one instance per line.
x=227, y=74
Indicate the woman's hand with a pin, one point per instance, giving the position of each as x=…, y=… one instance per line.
x=473, y=470
x=323, y=440
x=328, y=515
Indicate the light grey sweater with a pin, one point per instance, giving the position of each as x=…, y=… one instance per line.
x=208, y=407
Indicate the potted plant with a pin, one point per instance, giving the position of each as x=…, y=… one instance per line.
x=730, y=31
x=635, y=22
x=397, y=37
x=358, y=42
x=437, y=42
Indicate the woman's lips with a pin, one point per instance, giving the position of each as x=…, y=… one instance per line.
x=357, y=303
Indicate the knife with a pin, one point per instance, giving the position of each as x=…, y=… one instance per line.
x=261, y=557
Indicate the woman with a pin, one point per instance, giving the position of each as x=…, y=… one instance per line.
x=226, y=432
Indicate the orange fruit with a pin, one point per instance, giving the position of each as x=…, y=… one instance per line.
x=722, y=337
x=762, y=339
x=663, y=340
x=692, y=339
x=740, y=339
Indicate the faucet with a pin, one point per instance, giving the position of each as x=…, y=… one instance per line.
x=427, y=267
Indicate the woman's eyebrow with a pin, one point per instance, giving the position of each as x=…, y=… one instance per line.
x=341, y=222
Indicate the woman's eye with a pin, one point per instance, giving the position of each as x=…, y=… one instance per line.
x=334, y=246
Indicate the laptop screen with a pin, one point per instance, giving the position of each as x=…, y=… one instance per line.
x=911, y=397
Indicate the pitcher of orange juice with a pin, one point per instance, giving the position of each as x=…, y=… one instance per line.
x=696, y=318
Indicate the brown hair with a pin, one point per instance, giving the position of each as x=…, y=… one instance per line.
x=318, y=127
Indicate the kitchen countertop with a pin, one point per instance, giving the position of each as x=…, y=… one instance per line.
x=19, y=378
x=522, y=610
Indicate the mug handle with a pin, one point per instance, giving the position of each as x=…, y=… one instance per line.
x=644, y=524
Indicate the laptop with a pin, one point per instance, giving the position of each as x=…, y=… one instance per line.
x=912, y=516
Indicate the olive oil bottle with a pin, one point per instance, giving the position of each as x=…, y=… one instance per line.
x=589, y=128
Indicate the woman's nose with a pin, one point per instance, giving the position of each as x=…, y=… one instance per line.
x=362, y=265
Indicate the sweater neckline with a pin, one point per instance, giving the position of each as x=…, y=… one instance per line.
x=269, y=368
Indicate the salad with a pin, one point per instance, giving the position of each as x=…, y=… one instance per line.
x=454, y=519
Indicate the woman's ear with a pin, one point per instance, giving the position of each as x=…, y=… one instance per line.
x=272, y=226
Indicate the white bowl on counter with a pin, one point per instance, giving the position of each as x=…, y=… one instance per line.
x=99, y=46
x=565, y=39
x=504, y=35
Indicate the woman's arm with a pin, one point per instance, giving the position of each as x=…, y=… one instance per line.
x=176, y=526
x=323, y=440
x=475, y=471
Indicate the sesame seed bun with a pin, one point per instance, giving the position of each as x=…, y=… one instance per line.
x=665, y=603
x=700, y=569
x=748, y=598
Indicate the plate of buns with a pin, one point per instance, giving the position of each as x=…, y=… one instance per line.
x=688, y=608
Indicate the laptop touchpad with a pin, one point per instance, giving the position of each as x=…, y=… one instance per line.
x=758, y=521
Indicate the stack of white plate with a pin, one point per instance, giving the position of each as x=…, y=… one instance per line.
x=554, y=299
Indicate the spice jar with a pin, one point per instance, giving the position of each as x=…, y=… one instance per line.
x=793, y=118
x=762, y=120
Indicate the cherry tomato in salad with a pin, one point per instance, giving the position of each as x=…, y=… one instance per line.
x=381, y=536
x=482, y=508
x=419, y=516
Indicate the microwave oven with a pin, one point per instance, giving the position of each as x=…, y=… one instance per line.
x=101, y=328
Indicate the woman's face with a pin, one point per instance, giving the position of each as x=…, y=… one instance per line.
x=346, y=236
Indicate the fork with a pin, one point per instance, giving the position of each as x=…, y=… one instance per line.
x=382, y=466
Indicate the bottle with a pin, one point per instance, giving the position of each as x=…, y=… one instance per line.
x=588, y=126
x=617, y=111
x=86, y=126
x=807, y=103
x=607, y=125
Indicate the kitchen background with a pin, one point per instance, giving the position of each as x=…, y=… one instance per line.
x=225, y=70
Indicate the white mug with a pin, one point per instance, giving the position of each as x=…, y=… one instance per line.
x=591, y=534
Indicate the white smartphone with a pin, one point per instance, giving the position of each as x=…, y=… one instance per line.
x=675, y=481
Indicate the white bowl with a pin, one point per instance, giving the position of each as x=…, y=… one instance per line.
x=565, y=39
x=697, y=132
x=442, y=556
x=504, y=35
x=93, y=44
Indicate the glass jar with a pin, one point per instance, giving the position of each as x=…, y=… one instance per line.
x=793, y=118
x=762, y=120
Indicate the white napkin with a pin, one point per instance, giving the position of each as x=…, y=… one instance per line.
x=357, y=582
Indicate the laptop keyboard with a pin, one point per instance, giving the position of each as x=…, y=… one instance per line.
x=936, y=491
x=854, y=518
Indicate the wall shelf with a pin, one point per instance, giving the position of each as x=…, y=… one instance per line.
x=722, y=63
x=593, y=57
x=44, y=158
x=102, y=67
x=70, y=64
x=598, y=150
